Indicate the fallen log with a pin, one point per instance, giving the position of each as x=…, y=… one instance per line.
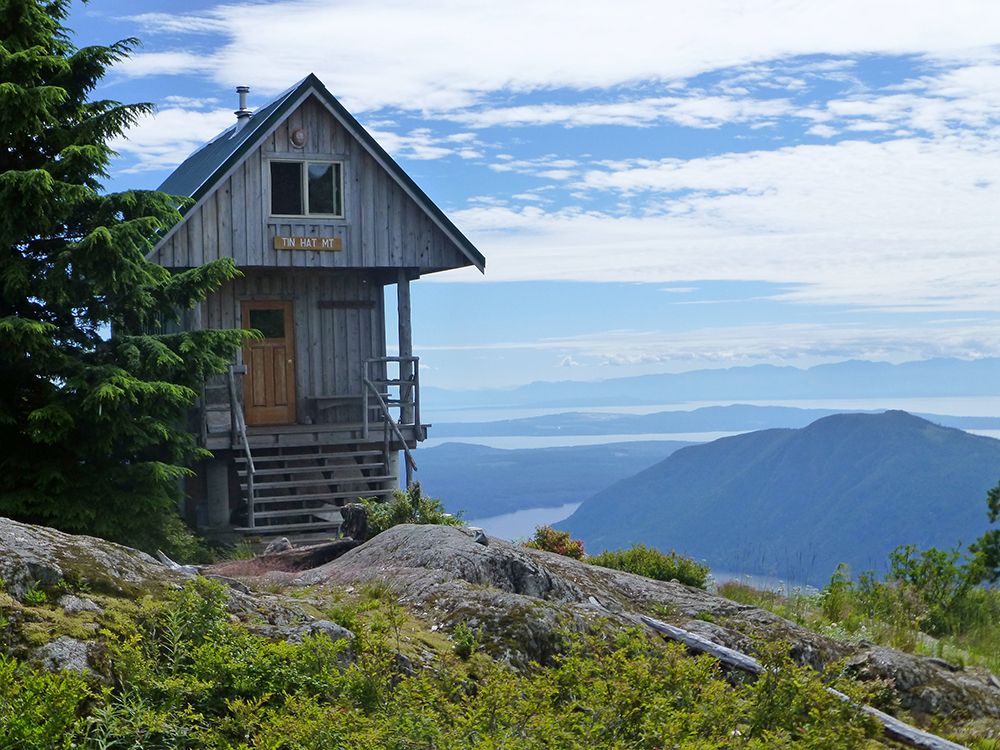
x=895, y=729
x=292, y=560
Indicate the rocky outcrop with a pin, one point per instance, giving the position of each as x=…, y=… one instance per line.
x=521, y=600
x=53, y=586
x=36, y=557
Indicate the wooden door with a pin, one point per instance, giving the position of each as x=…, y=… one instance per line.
x=269, y=384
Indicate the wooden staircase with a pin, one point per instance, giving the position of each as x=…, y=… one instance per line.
x=298, y=491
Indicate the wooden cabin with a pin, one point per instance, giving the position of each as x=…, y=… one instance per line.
x=321, y=221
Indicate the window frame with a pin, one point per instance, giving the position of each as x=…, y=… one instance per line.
x=305, y=188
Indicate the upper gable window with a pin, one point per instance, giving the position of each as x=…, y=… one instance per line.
x=307, y=188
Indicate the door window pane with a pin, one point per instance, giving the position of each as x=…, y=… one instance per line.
x=271, y=323
x=286, y=188
x=324, y=188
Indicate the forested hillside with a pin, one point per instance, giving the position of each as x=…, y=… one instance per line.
x=794, y=503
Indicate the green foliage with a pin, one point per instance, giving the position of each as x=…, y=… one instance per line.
x=183, y=675
x=651, y=563
x=986, y=549
x=466, y=640
x=35, y=596
x=550, y=540
x=40, y=710
x=406, y=507
x=789, y=696
x=894, y=611
x=936, y=583
x=94, y=438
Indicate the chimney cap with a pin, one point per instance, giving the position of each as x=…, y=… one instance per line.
x=243, y=113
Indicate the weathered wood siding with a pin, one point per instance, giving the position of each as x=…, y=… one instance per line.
x=331, y=344
x=382, y=227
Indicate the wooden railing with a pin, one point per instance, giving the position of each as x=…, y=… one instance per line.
x=239, y=427
x=388, y=423
x=379, y=385
x=406, y=385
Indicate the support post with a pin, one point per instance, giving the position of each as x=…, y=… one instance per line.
x=405, y=346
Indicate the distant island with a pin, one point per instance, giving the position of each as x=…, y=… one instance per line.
x=793, y=503
x=733, y=418
x=850, y=379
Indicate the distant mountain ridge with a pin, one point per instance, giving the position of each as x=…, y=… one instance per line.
x=481, y=481
x=732, y=418
x=795, y=502
x=850, y=379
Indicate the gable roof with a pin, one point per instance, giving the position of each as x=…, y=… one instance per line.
x=205, y=168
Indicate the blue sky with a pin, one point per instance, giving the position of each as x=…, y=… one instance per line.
x=657, y=186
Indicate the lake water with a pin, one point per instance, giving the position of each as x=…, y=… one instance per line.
x=554, y=441
x=521, y=523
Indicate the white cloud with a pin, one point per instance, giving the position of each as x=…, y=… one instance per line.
x=908, y=223
x=423, y=144
x=697, y=110
x=180, y=23
x=141, y=64
x=823, y=131
x=188, y=102
x=444, y=54
x=549, y=167
x=749, y=344
x=164, y=139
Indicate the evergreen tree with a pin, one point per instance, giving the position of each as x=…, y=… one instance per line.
x=94, y=394
x=986, y=549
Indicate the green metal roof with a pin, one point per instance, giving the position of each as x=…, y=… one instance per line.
x=205, y=168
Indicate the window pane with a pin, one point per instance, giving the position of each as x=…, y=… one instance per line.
x=324, y=189
x=286, y=188
x=271, y=323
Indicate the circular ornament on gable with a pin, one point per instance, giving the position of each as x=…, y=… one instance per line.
x=298, y=137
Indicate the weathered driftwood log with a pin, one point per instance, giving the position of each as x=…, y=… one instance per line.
x=894, y=728
x=291, y=561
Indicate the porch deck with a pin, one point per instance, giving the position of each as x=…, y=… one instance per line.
x=300, y=435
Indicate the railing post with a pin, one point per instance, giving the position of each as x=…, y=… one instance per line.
x=364, y=399
x=250, y=497
x=385, y=438
x=405, y=359
x=240, y=428
x=416, y=396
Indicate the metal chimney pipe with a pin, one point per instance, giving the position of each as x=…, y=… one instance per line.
x=242, y=114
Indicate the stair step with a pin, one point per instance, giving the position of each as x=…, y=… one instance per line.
x=283, y=528
x=271, y=458
x=291, y=513
x=315, y=482
x=310, y=469
x=322, y=496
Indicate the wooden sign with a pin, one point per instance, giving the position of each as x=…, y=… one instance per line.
x=327, y=244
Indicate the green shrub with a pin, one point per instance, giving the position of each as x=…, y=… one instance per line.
x=35, y=596
x=550, y=540
x=651, y=563
x=183, y=675
x=40, y=710
x=407, y=507
x=466, y=640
